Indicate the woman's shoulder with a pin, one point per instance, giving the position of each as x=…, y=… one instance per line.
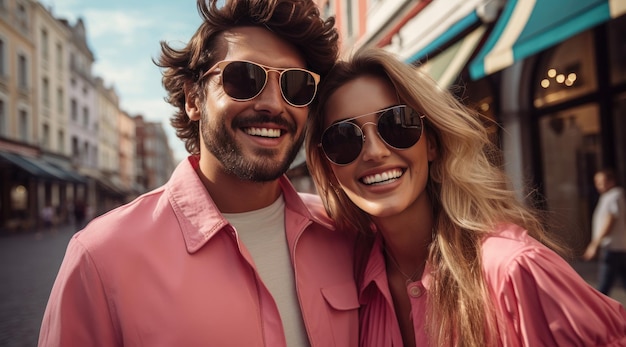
x=509, y=248
x=533, y=286
x=505, y=238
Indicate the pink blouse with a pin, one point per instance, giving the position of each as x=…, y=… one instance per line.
x=541, y=300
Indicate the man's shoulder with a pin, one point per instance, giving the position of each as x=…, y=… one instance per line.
x=120, y=221
x=613, y=195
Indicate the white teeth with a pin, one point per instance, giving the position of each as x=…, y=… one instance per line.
x=382, y=177
x=264, y=132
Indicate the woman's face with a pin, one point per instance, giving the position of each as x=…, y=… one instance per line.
x=383, y=181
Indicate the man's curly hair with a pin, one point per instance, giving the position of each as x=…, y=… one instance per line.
x=295, y=21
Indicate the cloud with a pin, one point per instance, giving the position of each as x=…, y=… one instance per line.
x=124, y=37
x=125, y=26
x=132, y=78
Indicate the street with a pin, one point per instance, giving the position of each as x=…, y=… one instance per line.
x=30, y=261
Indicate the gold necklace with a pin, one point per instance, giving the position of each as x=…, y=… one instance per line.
x=409, y=279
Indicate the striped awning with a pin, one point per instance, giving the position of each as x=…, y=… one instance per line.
x=526, y=27
x=446, y=66
x=439, y=24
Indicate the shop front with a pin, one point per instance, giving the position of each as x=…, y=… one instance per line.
x=31, y=184
x=551, y=74
x=559, y=75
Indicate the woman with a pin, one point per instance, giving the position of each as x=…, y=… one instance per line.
x=447, y=256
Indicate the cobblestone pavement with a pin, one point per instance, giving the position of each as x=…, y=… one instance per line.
x=29, y=262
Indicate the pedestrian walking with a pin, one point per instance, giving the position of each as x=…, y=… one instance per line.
x=47, y=216
x=608, y=231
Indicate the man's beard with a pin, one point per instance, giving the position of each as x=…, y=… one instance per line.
x=264, y=167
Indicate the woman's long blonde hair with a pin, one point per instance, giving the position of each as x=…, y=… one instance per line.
x=469, y=193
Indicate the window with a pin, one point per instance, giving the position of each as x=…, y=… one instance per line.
x=60, y=100
x=86, y=117
x=45, y=140
x=570, y=134
x=571, y=152
x=22, y=17
x=61, y=142
x=74, y=110
x=75, y=149
x=94, y=155
x=85, y=154
x=44, y=44
x=23, y=131
x=567, y=71
x=45, y=91
x=59, y=56
x=22, y=71
x=19, y=197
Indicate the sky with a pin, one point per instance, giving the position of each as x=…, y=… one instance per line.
x=124, y=37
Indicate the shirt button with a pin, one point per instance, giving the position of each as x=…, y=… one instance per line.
x=415, y=291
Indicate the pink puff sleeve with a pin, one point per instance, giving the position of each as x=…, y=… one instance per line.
x=542, y=301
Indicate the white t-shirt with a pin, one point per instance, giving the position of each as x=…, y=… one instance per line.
x=263, y=233
x=612, y=202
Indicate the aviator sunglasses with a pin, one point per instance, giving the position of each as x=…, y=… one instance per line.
x=398, y=126
x=244, y=80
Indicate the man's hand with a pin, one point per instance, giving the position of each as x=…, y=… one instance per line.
x=591, y=250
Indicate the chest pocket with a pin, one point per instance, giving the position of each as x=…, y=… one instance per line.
x=343, y=314
x=341, y=297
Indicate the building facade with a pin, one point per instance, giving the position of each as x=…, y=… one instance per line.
x=127, y=145
x=64, y=140
x=155, y=159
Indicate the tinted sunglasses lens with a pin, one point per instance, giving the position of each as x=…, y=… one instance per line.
x=342, y=143
x=298, y=87
x=242, y=80
x=400, y=127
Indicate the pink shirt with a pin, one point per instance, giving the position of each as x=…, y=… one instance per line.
x=541, y=300
x=168, y=270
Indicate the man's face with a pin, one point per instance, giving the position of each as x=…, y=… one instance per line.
x=602, y=183
x=257, y=139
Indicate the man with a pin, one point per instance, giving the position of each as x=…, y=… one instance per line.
x=226, y=253
x=609, y=231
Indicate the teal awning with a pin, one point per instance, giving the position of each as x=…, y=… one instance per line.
x=526, y=27
x=26, y=165
x=40, y=168
x=465, y=23
x=438, y=25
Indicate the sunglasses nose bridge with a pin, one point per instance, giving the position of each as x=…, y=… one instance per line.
x=376, y=144
x=374, y=135
x=279, y=73
x=362, y=128
x=278, y=80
